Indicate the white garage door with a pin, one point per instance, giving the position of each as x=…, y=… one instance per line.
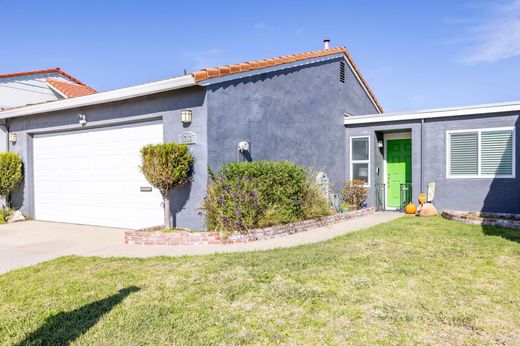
x=92, y=177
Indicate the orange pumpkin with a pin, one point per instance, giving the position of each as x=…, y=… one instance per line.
x=410, y=208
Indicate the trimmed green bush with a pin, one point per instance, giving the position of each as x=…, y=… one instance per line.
x=246, y=195
x=10, y=174
x=167, y=167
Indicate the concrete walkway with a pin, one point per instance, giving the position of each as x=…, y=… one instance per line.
x=32, y=242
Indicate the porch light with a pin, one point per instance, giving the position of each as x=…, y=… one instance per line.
x=186, y=115
x=12, y=137
x=380, y=144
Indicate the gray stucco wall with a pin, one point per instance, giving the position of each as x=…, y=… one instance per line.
x=482, y=194
x=166, y=106
x=476, y=194
x=294, y=115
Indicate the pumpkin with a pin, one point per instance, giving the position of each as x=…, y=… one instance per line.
x=422, y=198
x=410, y=208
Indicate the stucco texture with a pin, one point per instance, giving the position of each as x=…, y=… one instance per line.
x=294, y=115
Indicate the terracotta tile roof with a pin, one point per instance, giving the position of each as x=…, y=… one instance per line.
x=51, y=70
x=69, y=89
x=253, y=65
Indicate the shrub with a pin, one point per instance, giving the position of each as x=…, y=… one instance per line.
x=231, y=204
x=10, y=174
x=314, y=203
x=167, y=167
x=246, y=195
x=354, y=192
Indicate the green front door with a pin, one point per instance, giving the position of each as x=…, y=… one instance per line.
x=398, y=168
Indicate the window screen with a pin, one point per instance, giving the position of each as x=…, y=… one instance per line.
x=464, y=153
x=497, y=152
x=481, y=153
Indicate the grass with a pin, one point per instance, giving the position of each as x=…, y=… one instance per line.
x=410, y=281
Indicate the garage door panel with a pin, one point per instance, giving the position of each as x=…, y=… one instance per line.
x=93, y=177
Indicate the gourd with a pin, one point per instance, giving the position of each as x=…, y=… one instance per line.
x=410, y=208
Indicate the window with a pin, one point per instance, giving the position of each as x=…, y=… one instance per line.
x=360, y=159
x=481, y=153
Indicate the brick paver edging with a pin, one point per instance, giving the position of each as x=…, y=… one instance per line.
x=488, y=219
x=216, y=238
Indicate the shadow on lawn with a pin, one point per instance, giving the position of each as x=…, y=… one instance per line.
x=65, y=327
x=512, y=234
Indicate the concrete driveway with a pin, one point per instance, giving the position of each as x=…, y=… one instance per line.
x=27, y=243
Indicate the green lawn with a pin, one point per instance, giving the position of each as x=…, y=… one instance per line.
x=410, y=281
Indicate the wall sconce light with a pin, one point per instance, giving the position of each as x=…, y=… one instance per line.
x=186, y=115
x=379, y=144
x=12, y=137
x=82, y=119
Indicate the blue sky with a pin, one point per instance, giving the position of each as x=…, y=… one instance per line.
x=414, y=54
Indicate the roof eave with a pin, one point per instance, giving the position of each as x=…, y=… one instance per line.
x=434, y=113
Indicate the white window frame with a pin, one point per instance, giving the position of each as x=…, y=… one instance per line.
x=479, y=175
x=352, y=162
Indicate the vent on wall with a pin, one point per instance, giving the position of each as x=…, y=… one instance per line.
x=342, y=71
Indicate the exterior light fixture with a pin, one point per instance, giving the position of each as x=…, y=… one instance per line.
x=82, y=119
x=186, y=115
x=379, y=144
x=12, y=137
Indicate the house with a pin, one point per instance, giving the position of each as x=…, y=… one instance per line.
x=81, y=154
x=470, y=153
x=81, y=149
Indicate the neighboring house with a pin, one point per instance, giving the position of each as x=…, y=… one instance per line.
x=33, y=87
x=81, y=155
x=470, y=153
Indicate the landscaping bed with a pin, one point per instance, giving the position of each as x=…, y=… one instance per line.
x=484, y=218
x=216, y=238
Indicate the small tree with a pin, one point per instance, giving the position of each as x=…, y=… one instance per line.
x=10, y=175
x=166, y=167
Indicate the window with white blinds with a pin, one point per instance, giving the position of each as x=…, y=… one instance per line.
x=481, y=153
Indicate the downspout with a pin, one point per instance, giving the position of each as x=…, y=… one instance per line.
x=422, y=161
x=4, y=128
